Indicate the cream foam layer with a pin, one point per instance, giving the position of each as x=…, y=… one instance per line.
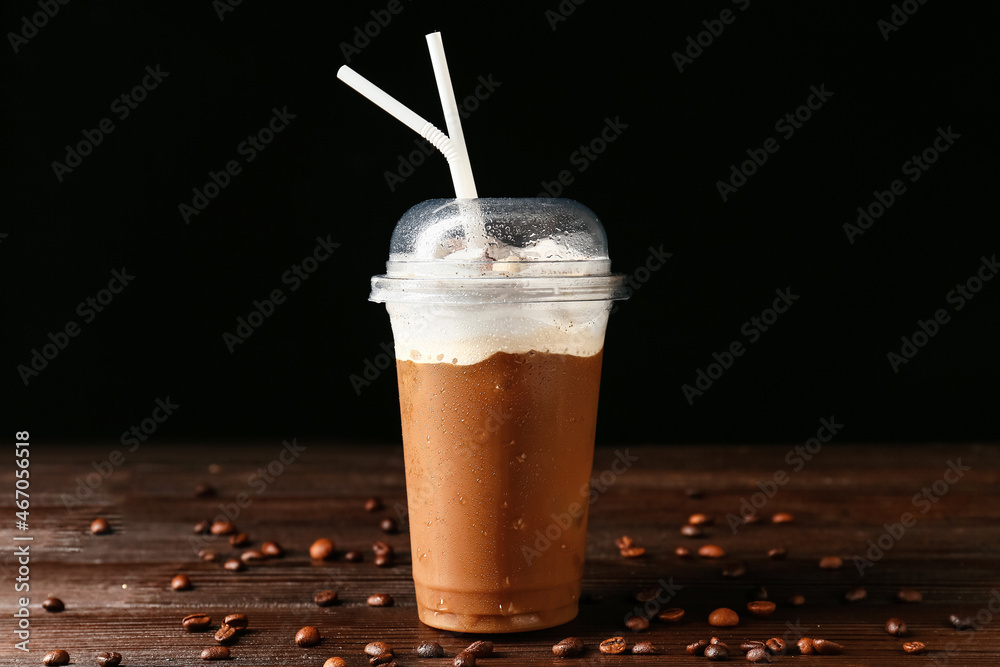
x=466, y=335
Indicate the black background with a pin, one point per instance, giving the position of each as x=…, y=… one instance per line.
x=653, y=187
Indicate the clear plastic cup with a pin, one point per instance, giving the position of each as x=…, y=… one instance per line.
x=498, y=310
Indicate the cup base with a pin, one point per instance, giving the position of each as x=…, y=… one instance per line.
x=498, y=623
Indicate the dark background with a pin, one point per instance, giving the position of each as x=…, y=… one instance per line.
x=655, y=186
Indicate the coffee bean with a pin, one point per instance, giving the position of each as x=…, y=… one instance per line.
x=234, y=565
x=827, y=647
x=777, y=553
x=56, y=658
x=776, y=646
x=215, y=653
x=750, y=645
x=734, y=570
x=464, y=659
x=723, y=617
x=389, y=525
x=180, y=582
x=831, y=562
x=637, y=623
x=644, y=648
x=373, y=504
x=383, y=560
x=53, y=604
x=237, y=621
x=711, y=551
x=613, y=646
x=208, y=555
x=672, y=615
x=354, y=556
x=909, y=595
x=196, y=622
x=761, y=608
x=380, y=600
x=381, y=547
x=225, y=634
x=325, y=598
x=481, y=649
x=387, y=660
x=856, y=594
x=782, y=517
x=682, y=552
x=699, y=520
x=692, y=531
x=797, y=600
x=252, y=556
x=430, y=650
x=895, y=627
x=758, y=654
x=202, y=527
x=377, y=649
x=204, y=490
x=914, y=648
x=805, y=646
x=624, y=542
x=222, y=527
x=716, y=640
x=109, y=659
x=272, y=550
x=307, y=636
x=716, y=652
x=962, y=622
x=239, y=539
x=752, y=517
x=321, y=549
x=100, y=526
x=335, y=662
x=633, y=552
x=697, y=648
x=568, y=648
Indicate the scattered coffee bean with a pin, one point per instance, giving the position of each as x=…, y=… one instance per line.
x=215, y=653
x=430, y=650
x=321, y=549
x=895, y=627
x=758, y=654
x=856, y=594
x=962, y=622
x=711, y=551
x=208, y=555
x=381, y=547
x=797, y=600
x=637, y=623
x=225, y=634
x=307, y=636
x=751, y=644
x=782, y=517
x=914, y=648
x=827, y=647
x=716, y=640
x=222, y=527
x=481, y=649
x=380, y=600
x=389, y=525
x=776, y=646
x=204, y=490
x=354, y=556
x=373, y=504
x=335, y=662
x=384, y=661
x=383, y=560
x=568, y=648
x=624, y=542
x=53, y=604
x=723, y=617
x=100, y=526
x=673, y=615
x=237, y=621
x=613, y=646
x=734, y=570
x=56, y=658
x=805, y=646
x=202, y=527
x=234, y=565
x=196, y=622
x=109, y=659
x=180, y=582
x=750, y=518
x=697, y=648
x=325, y=598
x=239, y=539
x=272, y=549
x=377, y=649
x=761, y=608
x=682, y=552
x=633, y=552
x=716, y=652
x=777, y=553
x=464, y=659
x=831, y=562
x=252, y=556
x=644, y=648
x=690, y=530
x=700, y=520
x=909, y=595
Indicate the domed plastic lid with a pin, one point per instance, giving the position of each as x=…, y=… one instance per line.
x=498, y=250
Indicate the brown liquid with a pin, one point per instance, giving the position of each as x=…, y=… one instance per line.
x=498, y=461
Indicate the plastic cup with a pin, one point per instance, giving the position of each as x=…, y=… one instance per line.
x=498, y=310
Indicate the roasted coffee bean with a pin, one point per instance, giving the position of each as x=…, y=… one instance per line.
x=633, y=552
x=716, y=652
x=380, y=600
x=777, y=553
x=895, y=627
x=307, y=636
x=53, y=604
x=252, y=556
x=909, y=595
x=237, y=621
x=204, y=490
x=734, y=570
x=856, y=594
x=758, y=654
x=272, y=549
x=389, y=525
x=716, y=640
x=381, y=547
x=644, y=648
x=698, y=647
x=672, y=615
x=751, y=644
x=335, y=662
x=56, y=658
x=962, y=622
x=325, y=598
x=464, y=659
x=699, y=520
x=430, y=650
x=692, y=531
x=750, y=518
x=196, y=622
x=914, y=648
x=782, y=517
x=383, y=560
x=109, y=659
x=797, y=600
x=682, y=552
x=776, y=646
x=100, y=526
x=723, y=617
x=208, y=555
x=387, y=660
x=762, y=608
x=613, y=645
x=234, y=565
x=354, y=556
x=805, y=646
x=568, y=648
x=624, y=542
x=239, y=539
x=377, y=649
x=373, y=504
x=827, y=647
x=180, y=582
x=637, y=623
x=222, y=527
x=215, y=653
x=225, y=634
x=480, y=649
x=202, y=527
x=831, y=562
x=321, y=549
x=711, y=551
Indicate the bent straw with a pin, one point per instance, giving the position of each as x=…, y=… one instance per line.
x=461, y=167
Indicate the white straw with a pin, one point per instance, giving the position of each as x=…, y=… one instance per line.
x=461, y=167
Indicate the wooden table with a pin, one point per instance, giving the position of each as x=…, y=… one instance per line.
x=116, y=587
